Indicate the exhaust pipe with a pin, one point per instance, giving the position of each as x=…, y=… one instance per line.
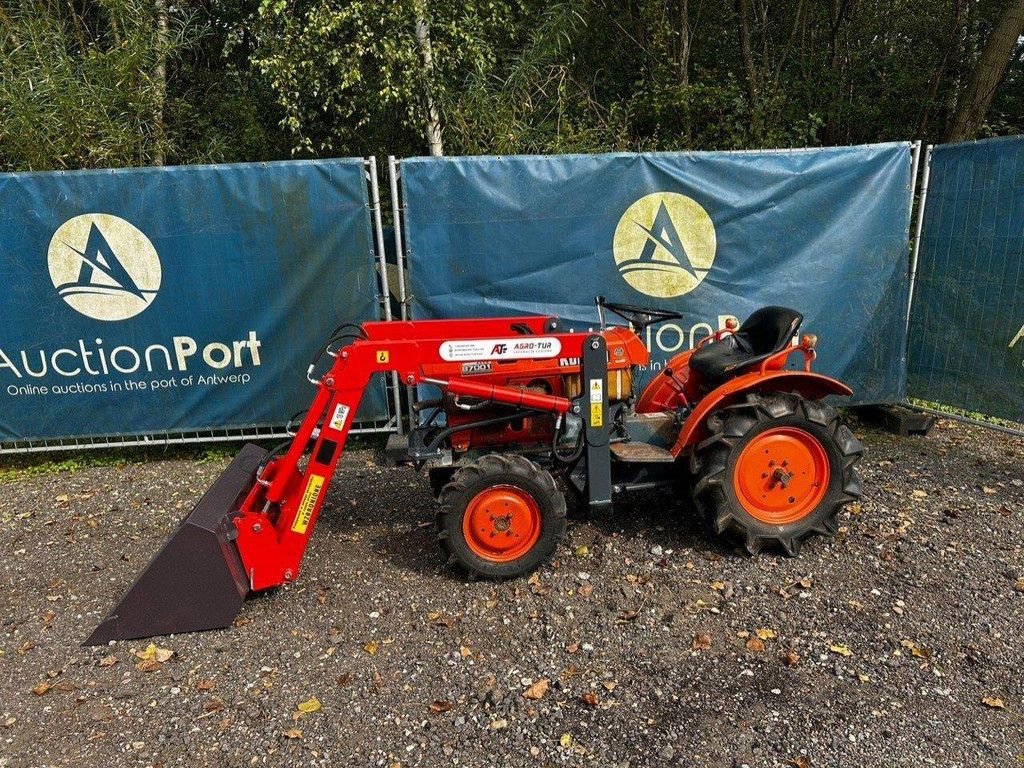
x=196, y=581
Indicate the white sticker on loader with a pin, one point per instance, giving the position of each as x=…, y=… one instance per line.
x=518, y=348
x=339, y=417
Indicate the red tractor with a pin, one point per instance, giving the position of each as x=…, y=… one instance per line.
x=528, y=410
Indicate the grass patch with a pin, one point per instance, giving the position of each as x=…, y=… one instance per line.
x=952, y=410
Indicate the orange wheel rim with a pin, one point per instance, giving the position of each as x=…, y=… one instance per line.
x=501, y=523
x=781, y=475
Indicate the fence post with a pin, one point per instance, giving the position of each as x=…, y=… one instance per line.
x=396, y=212
x=395, y=173
x=382, y=265
x=917, y=234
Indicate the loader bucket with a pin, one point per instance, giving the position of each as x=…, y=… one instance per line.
x=196, y=581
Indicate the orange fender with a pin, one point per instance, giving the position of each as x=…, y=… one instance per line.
x=812, y=386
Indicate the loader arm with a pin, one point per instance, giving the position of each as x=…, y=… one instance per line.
x=278, y=516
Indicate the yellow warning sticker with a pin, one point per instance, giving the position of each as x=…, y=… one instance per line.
x=308, y=504
x=597, y=414
x=383, y=356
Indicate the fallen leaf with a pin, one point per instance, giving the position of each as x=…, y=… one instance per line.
x=312, y=704
x=916, y=650
x=538, y=690
x=842, y=650
x=213, y=704
x=765, y=634
x=590, y=699
x=919, y=494
x=205, y=685
x=609, y=685
x=465, y=652
x=371, y=647
x=586, y=589
x=107, y=661
x=987, y=491
x=148, y=665
x=41, y=688
x=582, y=550
x=755, y=645
x=570, y=672
x=565, y=740
x=345, y=679
x=293, y=733
x=155, y=653
x=701, y=642
x=994, y=702
x=863, y=678
x=800, y=761
x=572, y=647
x=437, y=707
x=536, y=586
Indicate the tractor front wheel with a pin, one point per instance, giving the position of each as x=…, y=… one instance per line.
x=500, y=516
x=775, y=469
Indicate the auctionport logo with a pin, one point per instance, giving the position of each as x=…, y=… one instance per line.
x=664, y=244
x=103, y=266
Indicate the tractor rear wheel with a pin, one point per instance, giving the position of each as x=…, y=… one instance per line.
x=500, y=516
x=774, y=470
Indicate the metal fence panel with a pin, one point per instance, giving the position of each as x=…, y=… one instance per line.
x=967, y=321
x=170, y=301
x=711, y=235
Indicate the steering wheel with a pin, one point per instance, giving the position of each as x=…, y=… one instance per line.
x=639, y=317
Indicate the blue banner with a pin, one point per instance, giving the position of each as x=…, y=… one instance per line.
x=176, y=299
x=967, y=325
x=710, y=235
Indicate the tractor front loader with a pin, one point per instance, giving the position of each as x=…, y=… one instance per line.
x=531, y=411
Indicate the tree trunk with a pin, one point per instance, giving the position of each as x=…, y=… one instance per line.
x=160, y=82
x=743, y=11
x=838, y=13
x=964, y=17
x=685, y=38
x=988, y=73
x=433, y=118
x=952, y=63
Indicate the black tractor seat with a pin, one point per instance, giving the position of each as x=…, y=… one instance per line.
x=764, y=333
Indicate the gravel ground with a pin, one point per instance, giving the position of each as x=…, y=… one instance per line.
x=643, y=644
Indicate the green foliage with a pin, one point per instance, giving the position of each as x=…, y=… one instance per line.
x=76, y=91
x=265, y=79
